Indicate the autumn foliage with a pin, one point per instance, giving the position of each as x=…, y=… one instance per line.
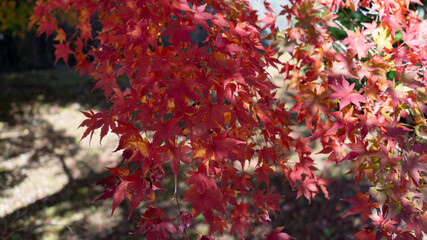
x=207, y=110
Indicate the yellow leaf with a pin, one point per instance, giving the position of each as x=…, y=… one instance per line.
x=227, y=118
x=143, y=145
x=61, y=37
x=201, y=152
x=383, y=39
x=170, y=106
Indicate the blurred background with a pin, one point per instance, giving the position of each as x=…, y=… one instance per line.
x=48, y=177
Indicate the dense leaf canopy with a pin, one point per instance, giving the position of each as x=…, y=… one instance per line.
x=208, y=110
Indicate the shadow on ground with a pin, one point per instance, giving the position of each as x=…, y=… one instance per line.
x=68, y=214
x=61, y=87
x=322, y=218
x=47, y=177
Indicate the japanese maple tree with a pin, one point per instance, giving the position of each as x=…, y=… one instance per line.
x=207, y=110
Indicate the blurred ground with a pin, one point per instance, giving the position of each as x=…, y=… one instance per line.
x=47, y=177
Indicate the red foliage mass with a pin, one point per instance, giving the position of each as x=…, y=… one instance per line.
x=210, y=104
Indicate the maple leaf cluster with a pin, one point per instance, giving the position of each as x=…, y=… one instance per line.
x=207, y=109
x=364, y=97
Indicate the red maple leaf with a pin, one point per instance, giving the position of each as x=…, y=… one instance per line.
x=222, y=146
x=365, y=235
x=239, y=224
x=357, y=42
x=362, y=205
x=111, y=182
x=121, y=184
x=413, y=165
x=165, y=131
x=263, y=173
x=97, y=120
x=126, y=131
x=200, y=179
x=204, y=202
x=347, y=95
x=186, y=220
x=200, y=16
x=346, y=121
x=85, y=31
x=359, y=153
x=308, y=188
x=91, y=124
x=277, y=234
x=108, y=122
x=47, y=26
x=239, y=218
x=62, y=50
x=243, y=183
x=394, y=132
x=176, y=154
x=219, y=224
x=179, y=32
x=386, y=225
x=155, y=224
x=269, y=22
x=119, y=195
x=106, y=79
x=267, y=202
x=137, y=189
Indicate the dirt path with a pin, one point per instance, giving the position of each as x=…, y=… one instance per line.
x=46, y=154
